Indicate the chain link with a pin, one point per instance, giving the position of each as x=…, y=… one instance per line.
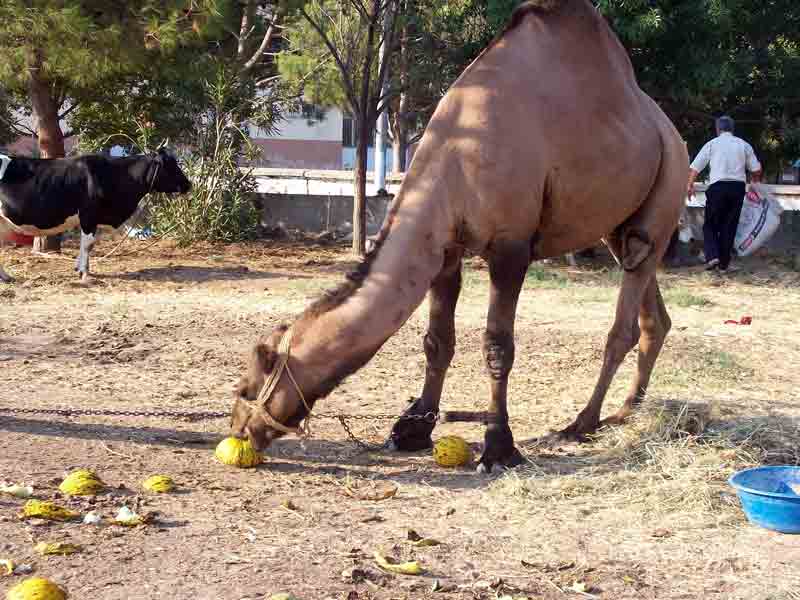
x=107, y=412
x=429, y=417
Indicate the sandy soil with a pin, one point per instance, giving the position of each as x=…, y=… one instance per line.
x=169, y=328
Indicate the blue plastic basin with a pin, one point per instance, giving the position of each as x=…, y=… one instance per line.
x=767, y=499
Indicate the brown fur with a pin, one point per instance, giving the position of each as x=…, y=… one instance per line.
x=334, y=298
x=520, y=160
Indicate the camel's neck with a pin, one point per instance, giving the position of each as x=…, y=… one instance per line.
x=337, y=340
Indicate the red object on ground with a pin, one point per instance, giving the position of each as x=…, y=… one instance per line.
x=18, y=238
x=742, y=321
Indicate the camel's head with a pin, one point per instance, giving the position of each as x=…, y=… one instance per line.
x=282, y=410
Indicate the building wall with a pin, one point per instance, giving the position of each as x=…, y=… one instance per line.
x=315, y=214
x=301, y=143
x=299, y=154
x=298, y=127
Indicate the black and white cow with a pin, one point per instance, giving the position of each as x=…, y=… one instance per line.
x=48, y=196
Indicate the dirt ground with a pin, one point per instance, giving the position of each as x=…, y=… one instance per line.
x=170, y=328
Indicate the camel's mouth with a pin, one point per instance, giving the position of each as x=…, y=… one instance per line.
x=247, y=423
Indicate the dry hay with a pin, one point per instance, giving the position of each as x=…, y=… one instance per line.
x=670, y=458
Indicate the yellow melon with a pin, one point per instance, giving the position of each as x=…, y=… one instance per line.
x=36, y=588
x=451, y=451
x=238, y=453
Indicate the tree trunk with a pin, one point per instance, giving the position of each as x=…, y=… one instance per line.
x=51, y=138
x=397, y=155
x=360, y=189
x=400, y=135
x=400, y=129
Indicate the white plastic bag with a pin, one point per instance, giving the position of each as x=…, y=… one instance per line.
x=761, y=217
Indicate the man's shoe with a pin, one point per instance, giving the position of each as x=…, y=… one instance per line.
x=730, y=269
x=712, y=264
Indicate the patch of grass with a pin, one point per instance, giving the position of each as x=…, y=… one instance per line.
x=707, y=366
x=724, y=365
x=670, y=458
x=591, y=293
x=685, y=299
x=537, y=276
x=540, y=276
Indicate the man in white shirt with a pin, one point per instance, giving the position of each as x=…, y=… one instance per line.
x=730, y=158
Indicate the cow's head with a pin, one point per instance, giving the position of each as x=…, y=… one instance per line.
x=167, y=174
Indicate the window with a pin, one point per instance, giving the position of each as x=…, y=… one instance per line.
x=350, y=133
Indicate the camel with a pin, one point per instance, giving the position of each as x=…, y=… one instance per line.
x=542, y=146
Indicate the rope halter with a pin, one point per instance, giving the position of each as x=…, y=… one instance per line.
x=281, y=365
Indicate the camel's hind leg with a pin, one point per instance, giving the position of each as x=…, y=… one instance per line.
x=621, y=339
x=638, y=245
x=439, y=343
x=654, y=324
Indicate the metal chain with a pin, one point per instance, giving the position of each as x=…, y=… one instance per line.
x=104, y=412
x=428, y=417
x=364, y=446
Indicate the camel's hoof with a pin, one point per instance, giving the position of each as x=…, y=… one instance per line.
x=560, y=439
x=412, y=435
x=613, y=420
x=489, y=465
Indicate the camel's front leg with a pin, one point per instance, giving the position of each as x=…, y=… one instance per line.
x=507, y=267
x=415, y=434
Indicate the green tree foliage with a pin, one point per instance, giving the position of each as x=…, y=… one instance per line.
x=697, y=58
x=332, y=58
x=8, y=122
x=133, y=73
x=237, y=37
x=220, y=206
x=704, y=58
x=59, y=55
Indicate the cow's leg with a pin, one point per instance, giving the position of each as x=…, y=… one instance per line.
x=4, y=277
x=508, y=264
x=87, y=243
x=415, y=434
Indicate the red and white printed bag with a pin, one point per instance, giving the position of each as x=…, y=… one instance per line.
x=761, y=217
